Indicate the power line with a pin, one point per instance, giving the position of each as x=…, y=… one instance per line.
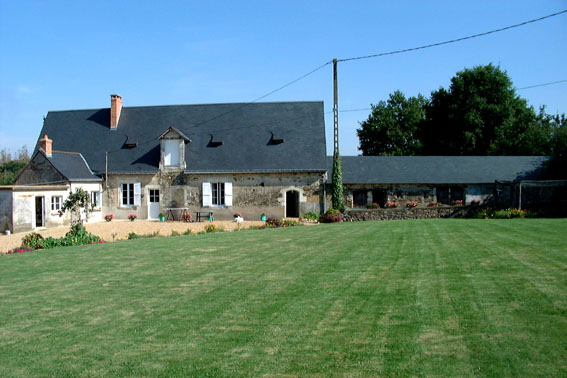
x=542, y=85
x=454, y=40
x=267, y=94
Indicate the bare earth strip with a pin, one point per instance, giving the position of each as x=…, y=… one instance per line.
x=116, y=230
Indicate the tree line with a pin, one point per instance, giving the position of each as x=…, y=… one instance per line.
x=479, y=114
x=12, y=165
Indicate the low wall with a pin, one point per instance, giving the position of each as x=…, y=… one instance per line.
x=356, y=215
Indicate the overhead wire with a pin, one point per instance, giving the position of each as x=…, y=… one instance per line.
x=453, y=40
x=243, y=105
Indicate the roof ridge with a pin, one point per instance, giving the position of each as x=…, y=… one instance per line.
x=67, y=152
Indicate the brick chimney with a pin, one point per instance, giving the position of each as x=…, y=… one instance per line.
x=115, y=109
x=45, y=144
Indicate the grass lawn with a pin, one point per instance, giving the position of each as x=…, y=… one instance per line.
x=400, y=298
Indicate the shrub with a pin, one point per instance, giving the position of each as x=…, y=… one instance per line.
x=373, y=206
x=211, y=227
x=132, y=235
x=132, y=216
x=411, y=204
x=108, y=217
x=19, y=250
x=188, y=232
x=391, y=205
x=332, y=216
x=32, y=240
x=175, y=233
x=274, y=222
x=311, y=216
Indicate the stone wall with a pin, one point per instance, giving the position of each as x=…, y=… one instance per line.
x=355, y=215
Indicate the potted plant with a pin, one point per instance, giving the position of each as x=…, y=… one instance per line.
x=108, y=217
x=132, y=217
x=161, y=217
x=263, y=217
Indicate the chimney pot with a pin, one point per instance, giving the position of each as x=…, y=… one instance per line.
x=46, y=144
x=115, y=110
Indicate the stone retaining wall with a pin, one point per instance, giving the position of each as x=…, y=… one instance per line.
x=356, y=215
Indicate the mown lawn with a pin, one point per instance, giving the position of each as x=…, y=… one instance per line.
x=408, y=298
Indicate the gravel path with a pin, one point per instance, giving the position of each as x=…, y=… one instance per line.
x=120, y=229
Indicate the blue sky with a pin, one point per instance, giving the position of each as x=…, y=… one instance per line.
x=61, y=55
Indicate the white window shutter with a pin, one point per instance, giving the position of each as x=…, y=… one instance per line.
x=228, y=193
x=137, y=194
x=207, y=195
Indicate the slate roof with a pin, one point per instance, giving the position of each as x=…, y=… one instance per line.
x=72, y=165
x=245, y=130
x=437, y=169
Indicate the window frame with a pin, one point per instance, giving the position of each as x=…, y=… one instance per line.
x=129, y=194
x=96, y=198
x=56, y=203
x=218, y=197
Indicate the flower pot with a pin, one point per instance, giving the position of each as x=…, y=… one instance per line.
x=263, y=218
x=132, y=219
x=162, y=219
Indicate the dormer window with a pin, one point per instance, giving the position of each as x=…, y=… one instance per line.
x=172, y=147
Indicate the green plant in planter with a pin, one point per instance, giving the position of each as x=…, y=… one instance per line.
x=263, y=217
x=162, y=217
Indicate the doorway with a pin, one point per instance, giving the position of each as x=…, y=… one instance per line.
x=153, y=205
x=39, y=213
x=292, y=204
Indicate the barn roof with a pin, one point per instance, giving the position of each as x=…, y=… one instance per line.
x=438, y=169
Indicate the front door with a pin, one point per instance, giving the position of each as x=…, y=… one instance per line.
x=153, y=208
x=39, y=217
x=292, y=204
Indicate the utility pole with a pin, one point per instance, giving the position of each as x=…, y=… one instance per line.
x=337, y=180
x=335, y=111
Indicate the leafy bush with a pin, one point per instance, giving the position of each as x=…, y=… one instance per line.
x=32, y=240
x=188, y=232
x=108, y=217
x=391, y=205
x=211, y=227
x=332, y=216
x=77, y=235
x=132, y=235
x=312, y=216
x=411, y=204
x=373, y=206
x=277, y=223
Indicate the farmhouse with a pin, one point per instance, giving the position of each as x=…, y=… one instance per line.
x=258, y=158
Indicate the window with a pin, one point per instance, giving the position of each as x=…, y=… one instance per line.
x=448, y=195
x=56, y=203
x=154, y=195
x=130, y=194
x=217, y=194
x=95, y=200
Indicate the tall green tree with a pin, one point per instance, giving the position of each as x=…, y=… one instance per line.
x=392, y=128
x=337, y=184
x=480, y=114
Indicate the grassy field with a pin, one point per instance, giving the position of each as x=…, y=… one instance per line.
x=407, y=298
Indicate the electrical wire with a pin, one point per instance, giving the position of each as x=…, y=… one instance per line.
x=542, y=85
x=454, y=40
